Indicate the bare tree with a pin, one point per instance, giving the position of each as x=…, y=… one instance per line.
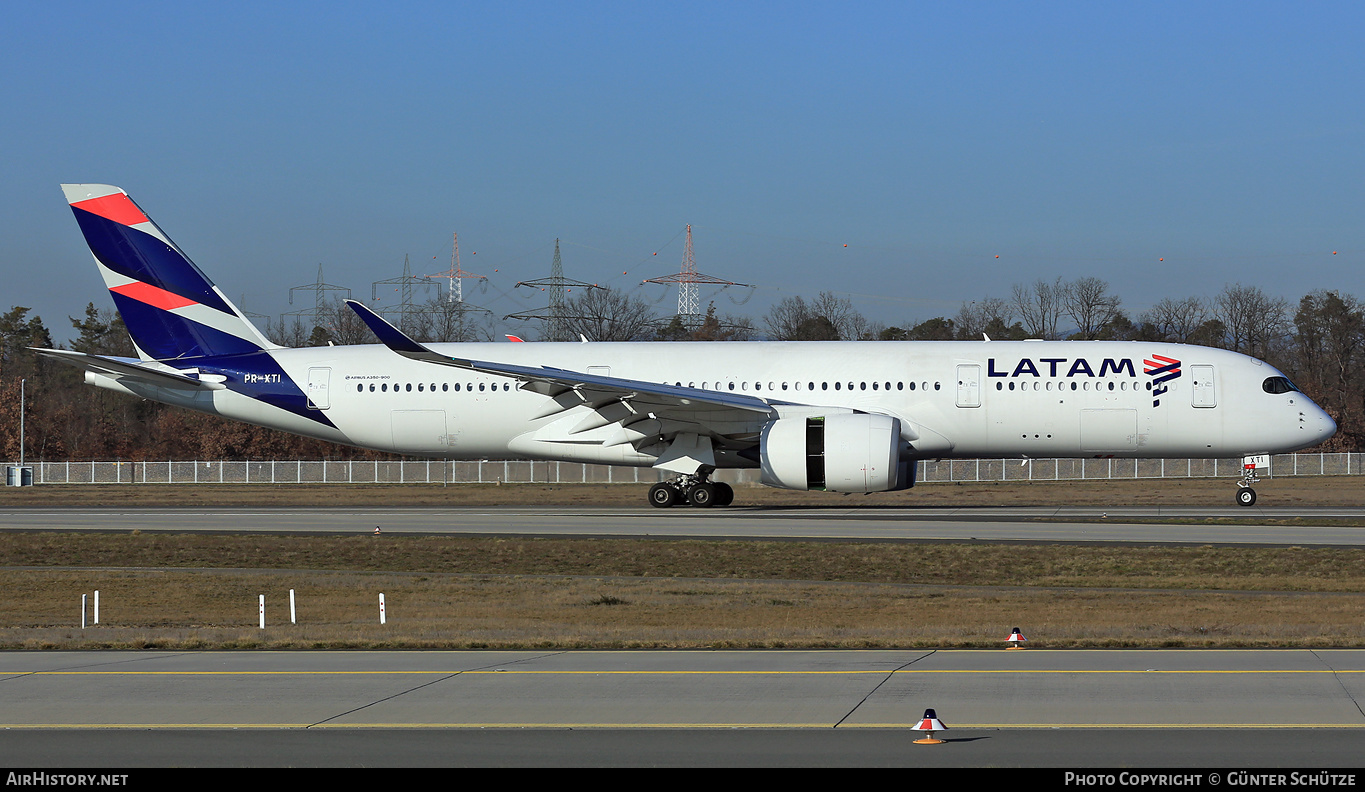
x=609, y=315
x=289, y=331
x=1039, y=306
x=991, y=316
x=1177, y=321
x=445, y=321
x=826, y=318
x=344, y=326
x=1090, y=305
x=1254, y=321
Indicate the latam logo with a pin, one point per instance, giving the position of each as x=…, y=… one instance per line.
x=1162, y=370
x=1062, y=367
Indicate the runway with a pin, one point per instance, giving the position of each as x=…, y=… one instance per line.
x=1074, y=524
x=597, y=708
x=1031, y=708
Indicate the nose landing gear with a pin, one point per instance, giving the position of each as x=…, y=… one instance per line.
x=694, y=490
x=1246, y=496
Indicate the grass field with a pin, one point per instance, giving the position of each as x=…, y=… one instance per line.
x=181, y=591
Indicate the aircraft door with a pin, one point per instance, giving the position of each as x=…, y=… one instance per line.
x=317, y=388
x=969, y=385
x=1204, y=387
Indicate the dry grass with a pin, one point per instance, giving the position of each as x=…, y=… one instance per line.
x=218, y=610
x=459, y=592
x=200, y=592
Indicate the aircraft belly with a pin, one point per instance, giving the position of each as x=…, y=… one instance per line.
x=234, y=405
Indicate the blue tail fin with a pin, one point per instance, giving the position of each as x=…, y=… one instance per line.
x=172, y=310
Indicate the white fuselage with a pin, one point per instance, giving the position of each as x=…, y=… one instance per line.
x=953, y=399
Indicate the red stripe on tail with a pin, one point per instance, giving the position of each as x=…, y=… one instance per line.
x=117, y=207
x=157, y=298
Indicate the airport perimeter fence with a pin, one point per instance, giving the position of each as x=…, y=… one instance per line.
x=521, y=472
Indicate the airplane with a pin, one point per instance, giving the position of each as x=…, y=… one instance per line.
x=850, y=417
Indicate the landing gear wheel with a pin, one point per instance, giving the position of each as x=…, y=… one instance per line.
x=703, y=495
x=661, y=496
x=1246, y=496
x=725, y=494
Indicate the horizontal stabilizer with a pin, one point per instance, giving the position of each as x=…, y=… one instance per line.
x=129, y=368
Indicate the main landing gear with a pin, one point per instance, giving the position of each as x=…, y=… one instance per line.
x=694, y=489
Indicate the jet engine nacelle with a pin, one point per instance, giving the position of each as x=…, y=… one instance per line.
x=847, y=452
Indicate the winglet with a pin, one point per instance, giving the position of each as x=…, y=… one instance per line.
x=388, y=335
x=396, y=339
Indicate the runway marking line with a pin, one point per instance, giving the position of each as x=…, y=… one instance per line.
x=565, y=725
x=487, y=672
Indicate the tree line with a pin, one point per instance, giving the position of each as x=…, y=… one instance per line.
x=1319, y=343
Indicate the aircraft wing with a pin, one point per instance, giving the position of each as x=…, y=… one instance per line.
x=613, y=399
x=129, y=368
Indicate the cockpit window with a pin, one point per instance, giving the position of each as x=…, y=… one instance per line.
x=1278, y=385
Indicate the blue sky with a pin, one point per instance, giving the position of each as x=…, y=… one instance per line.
x=1069, y=139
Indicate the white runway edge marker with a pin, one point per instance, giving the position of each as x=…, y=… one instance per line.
x=382, y=618
x=97, y=606
x=262, y=611
x=83, y=596
x=292, y=620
